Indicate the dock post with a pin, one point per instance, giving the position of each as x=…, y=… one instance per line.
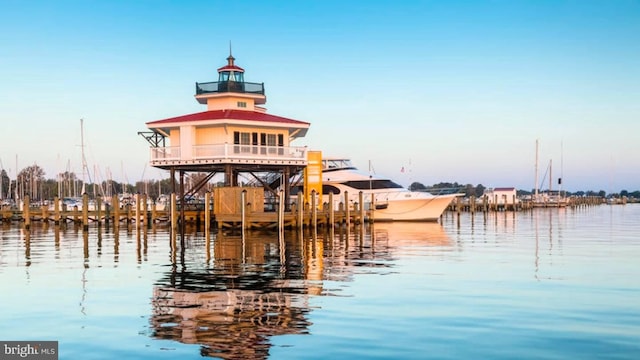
x=56, y=210
x=372, y=209
x=347, y=215
x=154, y=214
x=129, y=216
x=361, y=201
x=243, y=209
x=85, y=212
x=472, y=204
x=145, y=209
x=137, y=197
x=26, y=213
x=281, y=206
x=174, y=214
x=45, y=213
x=332, y=215
x=116, y=211
x=300, y=209
x=99, y=211
x=107, y=213
x=314, y=210
x=207, y=213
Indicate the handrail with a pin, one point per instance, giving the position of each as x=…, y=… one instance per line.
x=229, y=86
x=230, y=151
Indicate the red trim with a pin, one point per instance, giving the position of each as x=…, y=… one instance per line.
x=229, y=114
x=231, y=67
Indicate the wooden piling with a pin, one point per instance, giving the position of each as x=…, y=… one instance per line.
x=27, y=214
x=85, y=212
x=332, y=215
x=56, y=210
x=243, y=208
x=99, y=211
x=361, y=202
x=207, y=214
x=314, y=210
x=300, y=210
x=137, y=197
x=145, y=209
x=346, y=208
x=372, y=209
x=472, y=204
x=116, y=210
x=45, y=213
x=174, y=212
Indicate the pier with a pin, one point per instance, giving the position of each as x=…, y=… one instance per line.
x=226, y=207
x=483, y=204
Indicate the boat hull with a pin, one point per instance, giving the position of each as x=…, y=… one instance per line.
x=413, y=209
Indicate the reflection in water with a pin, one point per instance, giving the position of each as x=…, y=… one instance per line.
x=255, y=286
x=231, y=293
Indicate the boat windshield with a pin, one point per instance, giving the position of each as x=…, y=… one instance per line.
x=336, y=163
x=372, y=184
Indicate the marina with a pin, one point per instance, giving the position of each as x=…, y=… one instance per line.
x=547, y=283
x=301, y=214
x=347, y=181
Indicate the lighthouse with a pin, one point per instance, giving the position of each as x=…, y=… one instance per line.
x=234, y=136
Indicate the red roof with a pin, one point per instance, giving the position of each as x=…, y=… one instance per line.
x=229, y=114
x=231, y=67
x=504, y=189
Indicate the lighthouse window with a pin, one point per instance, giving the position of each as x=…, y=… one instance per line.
x=242, y=104
x=254, y=142
x=263, y=142
x=271, y=143
x=280, y=144
x=241, y=138
x=244, y=140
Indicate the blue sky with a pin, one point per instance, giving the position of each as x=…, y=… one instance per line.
x=449, y=90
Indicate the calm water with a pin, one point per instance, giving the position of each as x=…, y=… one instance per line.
x=548, y=284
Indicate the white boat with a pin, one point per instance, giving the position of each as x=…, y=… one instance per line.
x=391, y=201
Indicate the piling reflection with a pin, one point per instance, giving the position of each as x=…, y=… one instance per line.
x=253, y=287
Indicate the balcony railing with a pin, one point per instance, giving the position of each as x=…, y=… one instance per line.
x=165, y=153
x=229, y=86
x=230, y=152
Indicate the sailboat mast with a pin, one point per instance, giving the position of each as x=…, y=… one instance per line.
x=536, y=167
x=550, y=176
x=561, y=167
x=1, y=178
x=84, y=162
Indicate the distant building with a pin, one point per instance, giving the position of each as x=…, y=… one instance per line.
x=501, y=195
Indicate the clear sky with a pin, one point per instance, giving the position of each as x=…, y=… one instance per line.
x=449, y=90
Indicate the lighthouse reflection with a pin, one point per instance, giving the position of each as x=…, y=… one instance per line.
x=232, y=299
x=232, y=303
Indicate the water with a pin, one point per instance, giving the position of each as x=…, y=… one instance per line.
x=548, y=284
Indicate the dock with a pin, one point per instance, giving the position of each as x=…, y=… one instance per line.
x=222, y=210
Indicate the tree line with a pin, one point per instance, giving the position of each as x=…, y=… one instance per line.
x=31, y=181
x=478, y=190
